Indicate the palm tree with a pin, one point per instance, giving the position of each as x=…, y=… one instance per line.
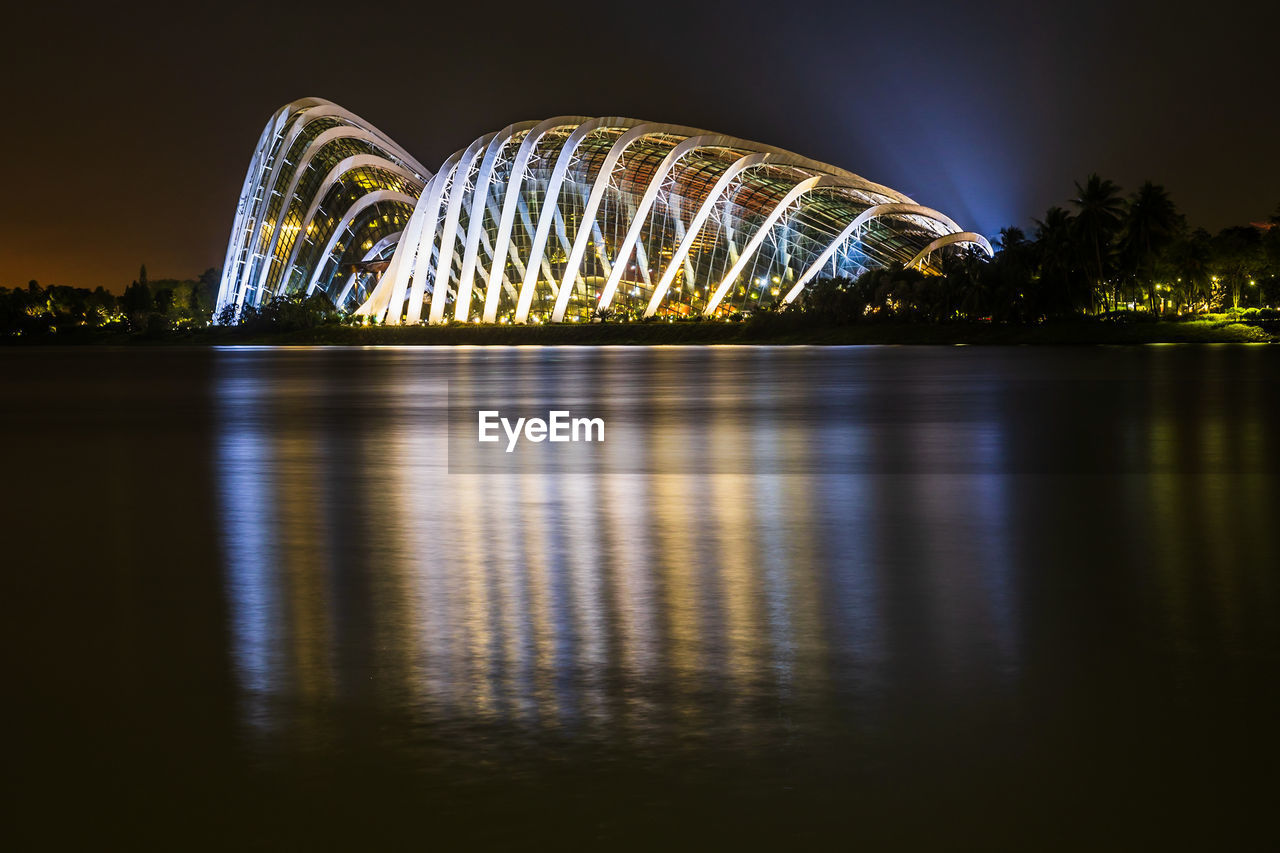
x=1011, y=275
x=963, y=289
x=1100, y=208
x=1057, y=255
x=1011, y=239
x=1151, y=223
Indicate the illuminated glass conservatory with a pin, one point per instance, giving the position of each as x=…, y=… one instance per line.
x=323, y=205
x=564, y=219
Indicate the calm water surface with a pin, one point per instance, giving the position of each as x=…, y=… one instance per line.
x=906, y=597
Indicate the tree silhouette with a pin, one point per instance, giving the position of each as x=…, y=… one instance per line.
x=1191, y=258
x=1151, y=223
x=1100, y=209
x=1238, y=258
x=1058, y=254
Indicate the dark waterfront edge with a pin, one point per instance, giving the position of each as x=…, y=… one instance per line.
x=1082, y=332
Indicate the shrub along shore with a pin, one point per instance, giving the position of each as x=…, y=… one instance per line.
x=781, y=329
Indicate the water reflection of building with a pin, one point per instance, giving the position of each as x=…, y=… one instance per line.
x=736, y=559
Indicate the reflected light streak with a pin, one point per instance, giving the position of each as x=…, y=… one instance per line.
x=581, y=602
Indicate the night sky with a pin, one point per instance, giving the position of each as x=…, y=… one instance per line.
x=132, y=126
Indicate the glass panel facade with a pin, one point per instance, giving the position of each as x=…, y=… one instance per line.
x=668, y=232
x=315, y=163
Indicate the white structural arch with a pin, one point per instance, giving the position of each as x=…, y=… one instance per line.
x=603, y=177
x=551, y=205
x=700, y=219
x=248, y=264
x=951, y=240
x=381, y=246
x=557, y=214
x=348, y=219
x=395, y=280
x=761, y=233
x=479, y=205
x=304, y=162
x=355, y=127
x=861, y=219
x=623, y=256
x=301, y=113
x=449, y=233
x=511, y=201
x=335, y=174
x=430, y=204
x=231, y=262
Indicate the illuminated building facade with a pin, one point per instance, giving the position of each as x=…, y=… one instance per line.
x=322, y=208
x=569, y=219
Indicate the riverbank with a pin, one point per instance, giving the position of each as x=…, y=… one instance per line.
x=772, y=330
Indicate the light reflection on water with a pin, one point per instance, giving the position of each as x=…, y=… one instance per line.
x=840, y=562
x=631, y=603
x=1023, y=593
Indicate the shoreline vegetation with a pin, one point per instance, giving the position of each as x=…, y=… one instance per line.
x=1110, y=270
x=762, y=330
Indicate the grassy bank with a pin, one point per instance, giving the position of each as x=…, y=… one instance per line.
x=769, y=330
